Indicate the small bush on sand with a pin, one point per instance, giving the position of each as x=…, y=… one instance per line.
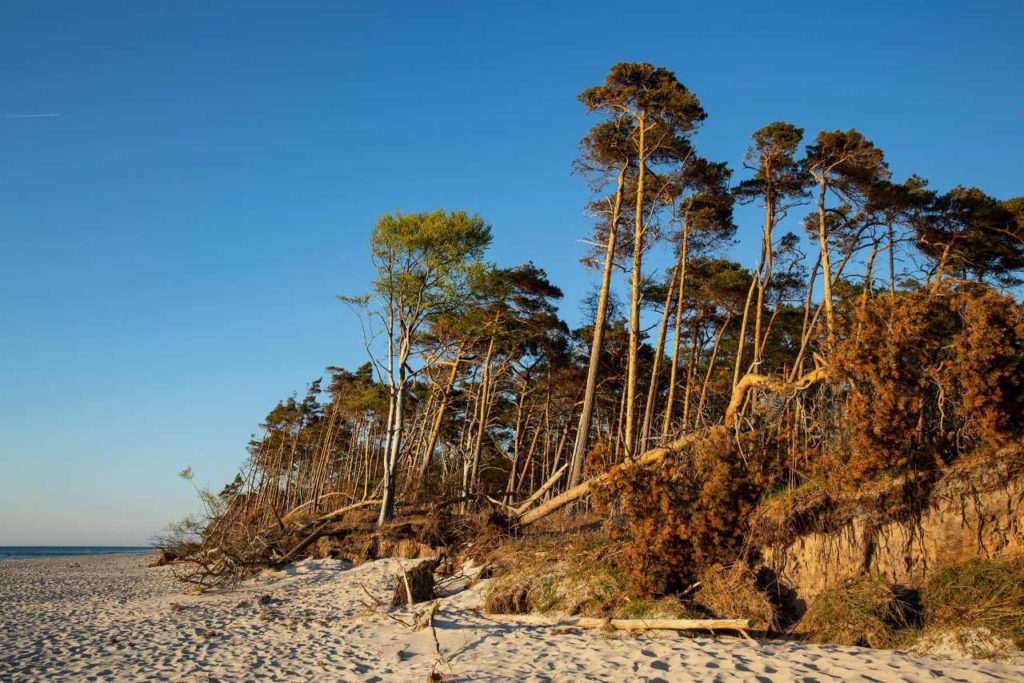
x=670, y=607
x=978, y=594
x=732, y=593
x=554, y=575
x=863, y=611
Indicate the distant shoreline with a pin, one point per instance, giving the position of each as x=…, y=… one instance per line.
x=40, y=552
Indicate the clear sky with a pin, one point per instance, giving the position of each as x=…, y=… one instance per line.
x=174, y=231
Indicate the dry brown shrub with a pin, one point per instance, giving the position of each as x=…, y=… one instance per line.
x=929, y=376
x=732, y=593
x=863, y=612
x=887, y=364
x=687, y=513
x=988, y=363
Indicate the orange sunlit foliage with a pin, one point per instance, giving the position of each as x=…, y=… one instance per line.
x=930, y=376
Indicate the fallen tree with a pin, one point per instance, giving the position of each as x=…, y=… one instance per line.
x=774, y=384
x=740, y=625
x=651, y=457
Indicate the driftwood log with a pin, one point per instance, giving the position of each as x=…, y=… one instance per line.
x=415, y=585
x=740, y=625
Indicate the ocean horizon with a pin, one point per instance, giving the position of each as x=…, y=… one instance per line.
x=26, y=552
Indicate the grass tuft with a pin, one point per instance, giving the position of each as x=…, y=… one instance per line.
x=862, y=612
x=978, y=594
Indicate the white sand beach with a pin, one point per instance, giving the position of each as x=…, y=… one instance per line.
x=111, y=618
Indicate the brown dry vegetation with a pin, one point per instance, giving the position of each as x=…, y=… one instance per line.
x=978, y=594
x=865, y=612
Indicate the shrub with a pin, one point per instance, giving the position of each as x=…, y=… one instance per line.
x=732, y=593
x=978, y=594
x=885, y=363
x=687, y=513
x=928, y=376
x=988, y=363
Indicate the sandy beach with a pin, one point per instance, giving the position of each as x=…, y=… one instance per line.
x=111, y=618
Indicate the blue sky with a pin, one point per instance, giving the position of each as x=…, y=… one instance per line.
x=171, y=244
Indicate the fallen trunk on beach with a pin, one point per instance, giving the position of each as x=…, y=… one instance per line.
x=739, y=625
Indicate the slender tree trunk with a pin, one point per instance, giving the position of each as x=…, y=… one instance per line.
x=620, y=423
x=868, y=267
x=435, y=430
x=583, y=432
x=826, y=267
x=711, y=369
x=636, y=282
x=892, y=263
x=564, y=435
x=485, y=405
x=762, y=285
x=659, y=351
x=529, y=457
x=741, y=339
x=286, y=497
x=940, y=270
x=524, y=414
x=666, y=421
x=387, y=506
x=691, y=368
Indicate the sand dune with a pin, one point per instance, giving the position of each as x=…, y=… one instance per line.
x=110, y=618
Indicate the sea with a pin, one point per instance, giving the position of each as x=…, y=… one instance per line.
x=27, y=552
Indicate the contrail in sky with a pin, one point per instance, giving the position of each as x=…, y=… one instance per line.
x=28, y=116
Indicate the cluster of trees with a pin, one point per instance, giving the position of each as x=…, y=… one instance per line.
x=476, y=388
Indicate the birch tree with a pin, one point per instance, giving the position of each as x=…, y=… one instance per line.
x=423, y=264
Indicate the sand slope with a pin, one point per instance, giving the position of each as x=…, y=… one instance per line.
x=110, y=618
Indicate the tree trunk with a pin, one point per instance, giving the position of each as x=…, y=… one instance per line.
x=892, y=263
x=583, y=432
x=435, y=430
x=387, y=506
x=711, y=369
x=766, y=255
x=691, y=371
x=636, y=281
x=826, y=267
x=659, y=350
x=666, y=421
x=741, y=339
